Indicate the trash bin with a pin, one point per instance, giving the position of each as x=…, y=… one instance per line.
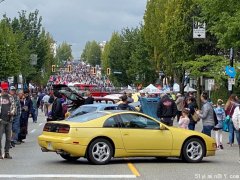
x=149, y=106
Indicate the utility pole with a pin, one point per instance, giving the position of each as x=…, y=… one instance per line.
x=231, y=58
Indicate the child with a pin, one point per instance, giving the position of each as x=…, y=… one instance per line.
x=218, y=128
x=184, y=120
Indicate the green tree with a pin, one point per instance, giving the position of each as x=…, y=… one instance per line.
x=64, y=53
x=92, y=53
x=10, y=64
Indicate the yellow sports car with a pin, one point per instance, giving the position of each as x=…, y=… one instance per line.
x=100, y=136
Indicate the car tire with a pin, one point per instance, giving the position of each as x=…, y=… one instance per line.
x=100, y=151
x=69, y=158
x=193, y=150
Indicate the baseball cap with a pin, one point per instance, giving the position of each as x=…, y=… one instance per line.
x=12, y=88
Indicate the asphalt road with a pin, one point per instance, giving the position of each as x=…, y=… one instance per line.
x=30, y=163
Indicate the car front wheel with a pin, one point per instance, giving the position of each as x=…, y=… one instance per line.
x=193, y=150
x=69, y=158
x=100, y=151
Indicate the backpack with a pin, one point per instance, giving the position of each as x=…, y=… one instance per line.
x=215, y=118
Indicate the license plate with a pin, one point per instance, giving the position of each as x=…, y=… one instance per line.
x=49, y=147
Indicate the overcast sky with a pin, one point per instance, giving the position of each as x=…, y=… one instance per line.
x=79, y=21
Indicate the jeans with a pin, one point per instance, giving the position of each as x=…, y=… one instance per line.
x=34, y=114
x=231, y=133
x=15, y=128
x=7, y=128
x=191, y=126
x=237, y=136
x=207, y=130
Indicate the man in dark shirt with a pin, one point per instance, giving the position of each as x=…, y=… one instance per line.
x=124, y=105
x=57, y=110
x=89, y=99
x=7, y=110
x=166, y=110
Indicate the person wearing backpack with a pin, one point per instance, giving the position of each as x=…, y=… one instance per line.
x=220, y=113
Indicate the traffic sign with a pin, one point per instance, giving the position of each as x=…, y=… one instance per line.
x=117, y=72
x=230, y=71
x=231, y=81
x=199, y=30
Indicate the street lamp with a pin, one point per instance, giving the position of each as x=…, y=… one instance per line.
x=2, y=1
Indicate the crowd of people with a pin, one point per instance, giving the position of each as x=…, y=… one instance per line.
x=17, y=106
x=15, y=109
x=213, y=117
x=81, y=73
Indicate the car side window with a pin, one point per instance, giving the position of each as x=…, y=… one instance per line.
x=110, y=108
x=111, y=123
x=137, y=121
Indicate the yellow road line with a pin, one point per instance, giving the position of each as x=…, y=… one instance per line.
x=133, y=169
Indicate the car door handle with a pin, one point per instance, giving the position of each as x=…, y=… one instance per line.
x=125, y=134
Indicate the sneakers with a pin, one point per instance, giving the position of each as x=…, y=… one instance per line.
x=12, y=144
x=7, y=156
x=221, y=146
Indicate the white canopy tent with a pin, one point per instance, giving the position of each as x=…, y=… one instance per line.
x=176, y=88
x=151, y=89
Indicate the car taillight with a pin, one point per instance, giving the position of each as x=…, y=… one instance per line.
x=57, y=128
x=47, y=127
x=64, y=129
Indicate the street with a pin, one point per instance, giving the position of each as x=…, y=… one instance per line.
x=30, y=163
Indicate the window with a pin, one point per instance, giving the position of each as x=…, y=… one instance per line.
x=83, y=110
x=110, y=108
x=110, y=123
x=138, y=121
x=86, y=117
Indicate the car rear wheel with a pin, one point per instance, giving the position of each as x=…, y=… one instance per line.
x=193, y=150
x=100, y=151
x=69, y=158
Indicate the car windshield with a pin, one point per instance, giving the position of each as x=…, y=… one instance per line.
x=86, y=117
x=83, y=110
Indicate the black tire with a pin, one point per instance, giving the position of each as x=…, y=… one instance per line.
x=100, y=151
x=69, y=158
x=193, y=150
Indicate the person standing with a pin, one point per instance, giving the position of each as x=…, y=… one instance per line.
x=7, y=110
x=89, y=99
x=26, y=106
x=57, y=110
x=34, y=107
x=16, y=117
x=229, y=109
x=184, y=119
x=220, y=113
x=180, y=105
x=166, y=110
x=124, y=104
x=192, y=106
x=236, y=123
x=45, y=100
x=206, y=115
